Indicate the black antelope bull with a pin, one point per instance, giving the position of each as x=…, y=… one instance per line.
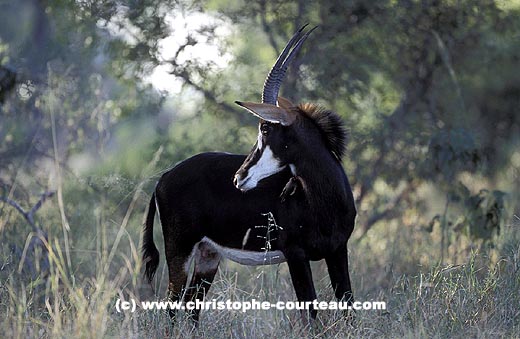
x=211, y=204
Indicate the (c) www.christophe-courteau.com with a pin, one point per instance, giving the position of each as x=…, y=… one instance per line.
x=131, y=305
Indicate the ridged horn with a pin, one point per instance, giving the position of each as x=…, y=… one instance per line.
x=276, y=74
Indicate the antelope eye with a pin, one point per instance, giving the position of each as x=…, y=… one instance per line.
x=265, y=128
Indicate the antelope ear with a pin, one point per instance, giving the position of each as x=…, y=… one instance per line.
x=268, y=112
x=284, y=103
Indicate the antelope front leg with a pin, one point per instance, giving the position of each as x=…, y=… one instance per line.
x=301, y=276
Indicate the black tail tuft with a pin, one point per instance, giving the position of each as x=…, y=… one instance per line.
x=150, y=252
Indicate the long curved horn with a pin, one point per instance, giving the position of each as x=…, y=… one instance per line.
x=276, y=74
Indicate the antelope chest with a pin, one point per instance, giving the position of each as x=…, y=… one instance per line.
x=317, y=241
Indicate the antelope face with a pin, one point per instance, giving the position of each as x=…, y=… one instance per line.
x=267, y=157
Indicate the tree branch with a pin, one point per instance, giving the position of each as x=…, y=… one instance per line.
x=181, y=72
x=16, y=206
x=29, y=216
x=36, y=239
x=387, y=211
x=208, y=95
x=37, y=206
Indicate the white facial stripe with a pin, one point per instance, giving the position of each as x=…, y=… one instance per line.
x=259, y=144
x=266, y=166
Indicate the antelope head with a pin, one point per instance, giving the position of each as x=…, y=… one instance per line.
x=276, y=142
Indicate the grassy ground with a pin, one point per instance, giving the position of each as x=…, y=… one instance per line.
x=475, y=294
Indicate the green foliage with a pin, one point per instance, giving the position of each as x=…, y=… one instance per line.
x=484, y=213
x=478, y=216
x=453, y=151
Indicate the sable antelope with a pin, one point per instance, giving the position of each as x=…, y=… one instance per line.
x=209, y=204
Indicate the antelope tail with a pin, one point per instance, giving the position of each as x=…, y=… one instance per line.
x=149, y=250
x=250, y=258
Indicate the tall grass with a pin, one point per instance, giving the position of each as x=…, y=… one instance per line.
x=478, y=296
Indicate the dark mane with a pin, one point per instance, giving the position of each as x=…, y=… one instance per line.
x=330, y=125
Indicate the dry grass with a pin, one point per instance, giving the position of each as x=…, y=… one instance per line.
x=477, y=296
